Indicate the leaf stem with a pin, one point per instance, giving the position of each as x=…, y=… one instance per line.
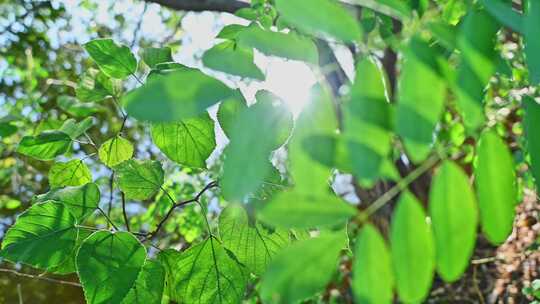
x=109, y=221
x=126, y=220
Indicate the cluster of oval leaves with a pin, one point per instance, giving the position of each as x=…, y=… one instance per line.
x=273, y=241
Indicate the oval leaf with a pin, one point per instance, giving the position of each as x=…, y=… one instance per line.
x=496, y=187
x=454, y=217
x=114, y=60
x=139, y=180
x=373, y=278
x=108, y=265
x=115, y=150
x=232, y=59
x=81, y=201
x=46, y=146
x=413, y=254
x=71, y=173
x=189, y=142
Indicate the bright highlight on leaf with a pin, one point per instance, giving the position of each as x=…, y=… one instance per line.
x=139, y=179
x=115, y=151
x=114, y=60
x=71, y=173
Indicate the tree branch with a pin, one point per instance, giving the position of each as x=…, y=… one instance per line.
x=227, y=6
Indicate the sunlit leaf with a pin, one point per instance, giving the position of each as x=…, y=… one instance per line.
x=373, y=277
x=46, y=146
x=154, y=56
x=291, y=45
x=115, y=150
x=114, y=60
x=43, y=236
x=108, y=265
x=148, y=288
x=75, y=129
x=71, y=173
x=205, y=273
x=301, y=270
x=252, y=243
x=139, y=180
x=161, y=100
x=298, y=209
x=420, y=102
x=413, y=255
x=232, y=59
x=321, y=17
x=454, y=218
x=229, y=111
x=81, y=201
x=189, y=142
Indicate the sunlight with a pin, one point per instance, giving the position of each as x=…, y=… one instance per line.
x=291, y=81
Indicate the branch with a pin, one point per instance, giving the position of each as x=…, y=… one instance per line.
x=227, y=6
x=38, y=277
x=176, y=205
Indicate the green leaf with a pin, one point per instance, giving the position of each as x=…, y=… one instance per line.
x=115, y=150
x=139, y=180
x=43, y=236
x=421, y=103
x=69, y=265
x=291, y=46
x=108, y=265
x=373, y=277
x=205, y=273
x=73, y=107
x=396, y=9
x=317, y=118
x=321, y=17
x=81, y=201
x=305, y=209
x=477, y=45
x=260, y=129
x=253, y=244
x=454, y=217
x=71, y=173
x=231, y=31
x=495, y=182
x=532, y=43
x=114, y=60
x=154, y=56
x=160, y=100
x=413, y=255
x=148, y=288
x=189, y=142
x=301, y=270
x=229, y=111
x=532, y=132
x=505, y=14
x=46, y=146
x=367, y=121
x=95, y=86
x=232, y=59
x=75, y=129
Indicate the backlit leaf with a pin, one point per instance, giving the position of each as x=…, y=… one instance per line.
x=109, y=265
x=232, y=59
x=115, y=150
x=252, y=243
x=320, y=17
x=454, y=217
x=148, y=288
x=179, y=95
x=189, y=142
x=81, y=201
x=495, y=182
x=139, y=180
x=71, y=173
x=373, y=277
x=43, y=236
x=154, y=56
x=413, y=255
x=114, y=60
x=293, y=275
x=46, y=146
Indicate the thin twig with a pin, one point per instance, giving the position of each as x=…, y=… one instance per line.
x=109, y=221
x=177, y=205
x=124, y=211
x=138, y=27
x=476, y=287
x=111, y=187
x=402, y=184
x=37, y=277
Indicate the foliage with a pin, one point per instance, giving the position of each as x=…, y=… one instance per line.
x=439, y=130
